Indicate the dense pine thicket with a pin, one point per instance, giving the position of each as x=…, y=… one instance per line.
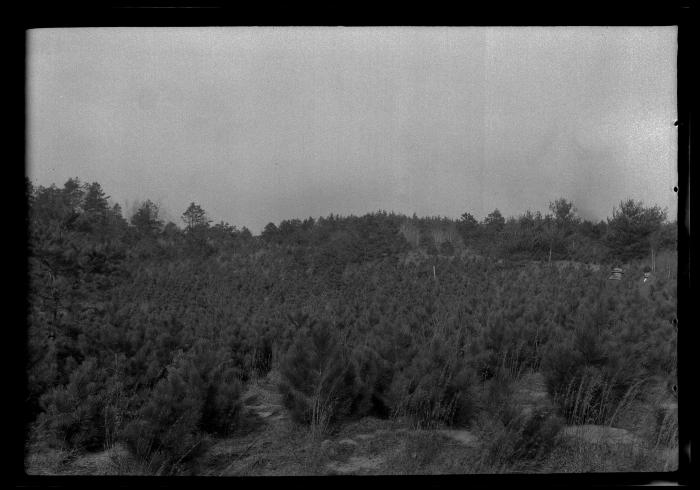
x=146, y=333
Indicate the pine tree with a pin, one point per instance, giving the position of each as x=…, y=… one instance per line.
x=195, y=218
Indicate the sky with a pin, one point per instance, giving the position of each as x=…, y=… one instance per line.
x=258, y=125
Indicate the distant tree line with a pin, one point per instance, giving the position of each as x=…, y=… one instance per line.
x=634, y=231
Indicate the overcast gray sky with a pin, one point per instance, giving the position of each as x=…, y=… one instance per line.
x=264, y=124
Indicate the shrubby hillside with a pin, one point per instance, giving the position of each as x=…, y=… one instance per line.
x=146, y=333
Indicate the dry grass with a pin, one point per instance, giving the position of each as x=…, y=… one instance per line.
x=113, y=461
x=667, y=432
x=48, y=461
x=579, y=455
x=499, y=441
x=649, y=442
x=592, y=400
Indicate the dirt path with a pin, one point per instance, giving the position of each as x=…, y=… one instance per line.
x=269, y=443
x=530, y=393
x=258, y=447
